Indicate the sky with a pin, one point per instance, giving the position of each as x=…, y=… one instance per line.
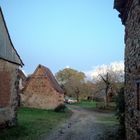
x=80, y=34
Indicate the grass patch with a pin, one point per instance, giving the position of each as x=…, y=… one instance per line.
x=96, y=105
x=110, y=126
x=32, y=123
x=86, y=104
x=109, y=119
x=101, y=105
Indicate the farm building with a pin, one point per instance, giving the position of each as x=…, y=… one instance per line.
x=42, y=90
x=10, y=62
x=130, y=16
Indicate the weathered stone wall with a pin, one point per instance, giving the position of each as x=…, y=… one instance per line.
x=39, y=93
x=8, y=93
x=132, y=71
x=42, y=90
x=130, y=16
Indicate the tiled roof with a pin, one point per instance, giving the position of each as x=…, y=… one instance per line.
x=45, y=72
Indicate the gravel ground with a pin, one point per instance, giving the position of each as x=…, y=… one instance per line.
x=84, y=125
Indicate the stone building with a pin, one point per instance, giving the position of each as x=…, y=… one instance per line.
x=22, y=79
x=130, y=16
x=42, y=90
x=9, y=64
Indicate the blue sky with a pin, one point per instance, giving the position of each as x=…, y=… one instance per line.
x=58, y=33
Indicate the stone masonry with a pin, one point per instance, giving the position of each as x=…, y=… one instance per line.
x=9, y=79
x=42, y=90
x=8, y=93
x=130, y=16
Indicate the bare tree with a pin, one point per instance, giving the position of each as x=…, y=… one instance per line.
x=107, y=82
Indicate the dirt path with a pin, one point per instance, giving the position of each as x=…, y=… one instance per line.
x=83, y=125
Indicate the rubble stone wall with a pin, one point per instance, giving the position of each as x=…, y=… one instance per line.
x=132, y=71
x=8, y=93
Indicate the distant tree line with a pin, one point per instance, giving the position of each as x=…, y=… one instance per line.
x=105, y=87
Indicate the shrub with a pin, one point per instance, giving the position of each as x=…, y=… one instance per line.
x=120, y=110
x=60, y=108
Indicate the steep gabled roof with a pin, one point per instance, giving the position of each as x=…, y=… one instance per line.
x=7, y=50
x=42, y=71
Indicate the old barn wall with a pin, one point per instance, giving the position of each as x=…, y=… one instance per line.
x=42, y=90
x=39, y=93
x=8, y=93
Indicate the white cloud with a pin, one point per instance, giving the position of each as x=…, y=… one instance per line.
x=117, y=66
x=67, y=67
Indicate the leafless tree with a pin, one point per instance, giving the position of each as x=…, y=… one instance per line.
x=107, y=82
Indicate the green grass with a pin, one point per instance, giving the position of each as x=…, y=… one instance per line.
x=98, y=106
x=109, y=119
x=86, y=104
x=32, y=123
x=110, y=126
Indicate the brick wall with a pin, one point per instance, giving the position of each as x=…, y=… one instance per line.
x=8, y=93
x=39, y=93
x=41, y=71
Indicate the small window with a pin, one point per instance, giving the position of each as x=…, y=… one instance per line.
x=138, y=95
